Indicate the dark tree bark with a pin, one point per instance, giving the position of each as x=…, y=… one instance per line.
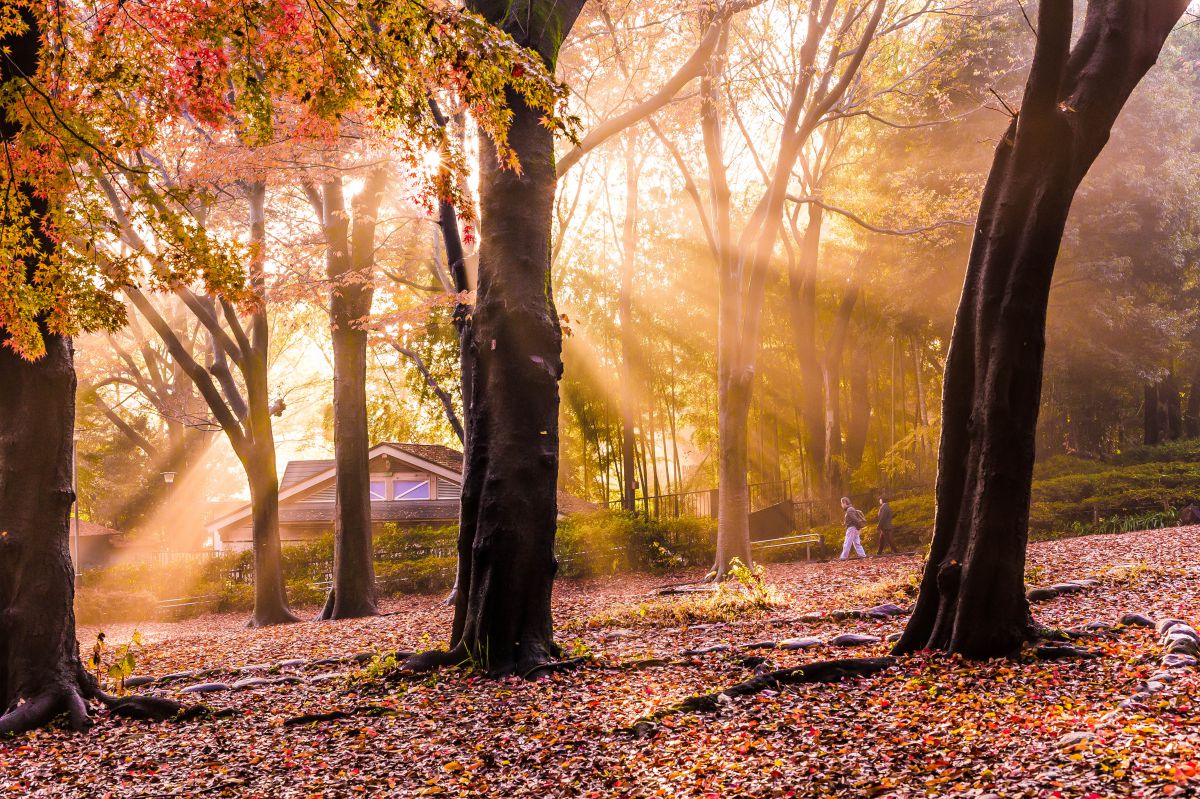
x=41, y=674
x=972, y=597
x=502, y=618
x=350, y=259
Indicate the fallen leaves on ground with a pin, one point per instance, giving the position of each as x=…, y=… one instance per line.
x=930, y=726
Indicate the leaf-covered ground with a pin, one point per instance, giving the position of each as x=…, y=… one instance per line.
x=930, y=726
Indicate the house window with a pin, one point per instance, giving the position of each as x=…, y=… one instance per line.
x=378, y=489
x=410, y=489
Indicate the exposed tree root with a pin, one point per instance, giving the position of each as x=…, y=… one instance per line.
x=555, y=667
x=338, y=715
x=434, y=659
x=1052, y=652
x=280, y=616
x=41, y=709
x=820, y=672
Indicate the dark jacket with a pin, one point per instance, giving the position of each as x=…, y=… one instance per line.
x=854, y=518
x=885, y=516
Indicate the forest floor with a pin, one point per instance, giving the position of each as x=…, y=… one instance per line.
x=928, y=726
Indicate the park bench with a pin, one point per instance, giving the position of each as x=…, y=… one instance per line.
x=172, y=606
x=806, y=540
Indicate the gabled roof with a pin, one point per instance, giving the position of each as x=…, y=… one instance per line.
x=87, y=529
x=299, y=471
x=300, y=476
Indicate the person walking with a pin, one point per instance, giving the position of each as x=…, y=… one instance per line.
x=885, y=527
x=854, y=523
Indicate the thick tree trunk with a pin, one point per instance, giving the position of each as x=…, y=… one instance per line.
x=733, y=499
x=353, y=592
x=349, y=264
x=270, y=599
x=972, y=598
x=41, y=674
x=502, y=617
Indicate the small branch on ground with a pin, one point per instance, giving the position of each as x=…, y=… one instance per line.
x=821, y=672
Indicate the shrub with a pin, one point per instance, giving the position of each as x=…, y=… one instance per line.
x=607, y=542
x=97, y=606
x=747, y=594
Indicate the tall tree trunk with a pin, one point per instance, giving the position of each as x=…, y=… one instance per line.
x=270, y=600
x=802, y=287
x=628, y=334
x=860, y=408
x=1151, y=416
x=502, y=617
x=835, y=458
x=733, y=499
x=41, y=674
x=1172, y=407
x=972, y=597
x=1191, y=419
x=350, y=259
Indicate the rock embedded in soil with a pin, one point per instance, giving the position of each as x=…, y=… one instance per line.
x=333, y=675
x=1182, y=631
x=760, y=645
x=137, y=682
x=205, y=688
x=1136, y=620
x=1040, y=594
x=1165, y=624
x=1075, y=738
x=250, y=682
x=1181, y=645
x=800, y=643
x=179, y=675
x=1068, y=588
x=854, y=639
x=1174, y=661
x=886, y=609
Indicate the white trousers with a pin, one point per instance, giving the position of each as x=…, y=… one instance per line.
x=853, y=539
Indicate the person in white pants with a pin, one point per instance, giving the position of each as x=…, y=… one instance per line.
x=854, y=523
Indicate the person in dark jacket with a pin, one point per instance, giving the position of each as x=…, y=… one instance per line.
x=885, y=527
